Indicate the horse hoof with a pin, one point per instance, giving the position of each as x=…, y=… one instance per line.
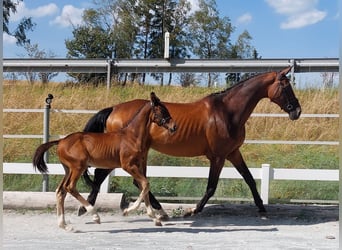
x=97, y=219
x=125, y=212
x=81, y=211
x=164, y=217
x=189, y=212
x=157, y=223
x=67, y=228
x=263, y=214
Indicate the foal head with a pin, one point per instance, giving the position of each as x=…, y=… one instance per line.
x=281, y=93
x=161, y=115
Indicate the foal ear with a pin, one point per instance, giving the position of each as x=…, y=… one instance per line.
x=284, y=72
x=154, y=99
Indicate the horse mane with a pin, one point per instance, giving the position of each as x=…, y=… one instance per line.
x=235, y=85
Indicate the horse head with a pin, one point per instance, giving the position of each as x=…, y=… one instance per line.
x=161, y=115
x=281, y=93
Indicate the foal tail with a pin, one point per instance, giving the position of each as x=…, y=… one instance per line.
x=38, y=158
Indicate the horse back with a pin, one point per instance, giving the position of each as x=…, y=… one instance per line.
x=192, y=121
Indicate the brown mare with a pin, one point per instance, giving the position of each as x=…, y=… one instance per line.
x=213, y=126
x=124, y=148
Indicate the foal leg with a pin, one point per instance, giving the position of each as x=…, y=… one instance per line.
x=60, y=197
x=236, y=159
x=99, y=176
x=154, y=202
x=145, y=187
x=216, y=165
x=71, y=188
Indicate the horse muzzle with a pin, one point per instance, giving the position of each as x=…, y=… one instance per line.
x=295, y=114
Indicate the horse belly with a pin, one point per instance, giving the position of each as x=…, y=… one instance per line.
x=187, y=148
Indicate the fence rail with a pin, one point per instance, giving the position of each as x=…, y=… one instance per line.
x=265, y=174
x=114, y=66
x=298, y=142
x=169, y=65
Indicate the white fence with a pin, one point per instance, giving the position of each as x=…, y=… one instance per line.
x=265, y=174
x=66, y=111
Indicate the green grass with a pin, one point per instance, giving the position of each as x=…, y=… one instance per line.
x=279, y=156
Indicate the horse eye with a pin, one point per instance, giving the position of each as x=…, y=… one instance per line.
x=289, y=106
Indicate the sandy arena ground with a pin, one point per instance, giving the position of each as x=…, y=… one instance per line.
x=228, y=226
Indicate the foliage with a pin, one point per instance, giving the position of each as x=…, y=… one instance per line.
x=88, y=97
x=135, y=29
x=34, y=52
x=24, y=25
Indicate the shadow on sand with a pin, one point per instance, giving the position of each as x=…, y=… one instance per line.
x=232, y=217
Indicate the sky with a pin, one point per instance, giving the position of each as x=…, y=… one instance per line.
x=279, y=28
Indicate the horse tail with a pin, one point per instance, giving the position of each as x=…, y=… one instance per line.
x=97, y=123
x=38, y=158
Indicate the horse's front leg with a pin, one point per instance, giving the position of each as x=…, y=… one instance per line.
x=162, y=215
x=216, y=165
x=236, y=159
x=145, y=188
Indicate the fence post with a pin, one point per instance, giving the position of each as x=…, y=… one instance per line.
x=106, y=183
x=109, y=73
x=265, y=182
x=46, y=137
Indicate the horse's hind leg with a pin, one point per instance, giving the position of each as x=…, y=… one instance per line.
x=236, y=159
x=75, y=174
x=60, y=197
x=99, y=176
x=216, y=166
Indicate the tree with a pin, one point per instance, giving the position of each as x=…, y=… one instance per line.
x=241, y=49
x=34, y=52
x=91, y=40
x=210, y=34
x=24, y=25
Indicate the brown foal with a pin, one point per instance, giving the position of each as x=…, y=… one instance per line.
x=126, y=148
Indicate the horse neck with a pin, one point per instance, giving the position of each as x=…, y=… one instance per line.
x=242, y=99
x=140, y=124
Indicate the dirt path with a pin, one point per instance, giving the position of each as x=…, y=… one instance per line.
x=217, y=227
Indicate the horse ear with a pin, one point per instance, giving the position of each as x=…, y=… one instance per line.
x=154, y=99
x=284, y=72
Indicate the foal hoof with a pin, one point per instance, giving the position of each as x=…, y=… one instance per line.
x=125, y=212
x=81, y=211
x=96, y=219
x=163, y=217
x=157, y=223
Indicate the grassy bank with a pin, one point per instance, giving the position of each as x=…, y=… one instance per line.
x=87, y=97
